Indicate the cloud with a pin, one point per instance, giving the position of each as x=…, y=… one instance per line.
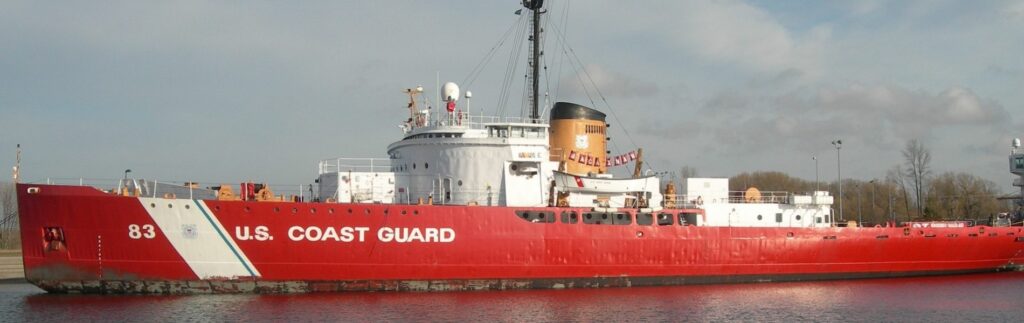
x=610, y=83
x=732, y=32
x=882, y=116
x=1015, y=10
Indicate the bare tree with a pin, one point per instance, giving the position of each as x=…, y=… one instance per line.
x=9, y=236
x=917, y=158
x=686, y=172
x=895, y=176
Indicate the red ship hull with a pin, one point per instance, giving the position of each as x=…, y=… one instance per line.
x=78, y=239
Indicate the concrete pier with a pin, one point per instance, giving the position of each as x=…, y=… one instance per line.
x=11, y=267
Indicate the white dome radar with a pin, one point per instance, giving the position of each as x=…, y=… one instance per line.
x=450, y=91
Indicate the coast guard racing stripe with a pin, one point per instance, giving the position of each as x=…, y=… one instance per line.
x=199, y=238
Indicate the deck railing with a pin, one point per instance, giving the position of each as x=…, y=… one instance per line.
x=335, y=165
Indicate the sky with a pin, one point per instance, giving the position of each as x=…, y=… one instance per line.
x=225, y=91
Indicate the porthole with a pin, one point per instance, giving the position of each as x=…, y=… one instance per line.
x=247, y=209
x=514, y=167
x=460, y=182
x=404, y=212
x=426, y=165
x=330, y=210
x=152, y=204
x=169, y=205
x=759, y=217
x=187, y=207
x=277, y=209
x=216, y=208
x=385, y=211
x=413, y=165
x=415, y=212
x=312, y=210
x=350, y=211
x=367, y=211
x=798, y=217
x=295, y=210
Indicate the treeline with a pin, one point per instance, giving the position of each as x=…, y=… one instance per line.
x=908, y=191
x=947, y=196
x=9, y=237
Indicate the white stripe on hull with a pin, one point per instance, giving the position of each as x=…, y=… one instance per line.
x=199, y=238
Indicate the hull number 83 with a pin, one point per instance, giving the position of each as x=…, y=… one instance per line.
x=145, y=231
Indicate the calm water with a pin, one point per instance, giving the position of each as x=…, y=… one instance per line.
x=971, y=298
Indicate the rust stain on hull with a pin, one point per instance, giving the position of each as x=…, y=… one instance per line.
x=191, y=287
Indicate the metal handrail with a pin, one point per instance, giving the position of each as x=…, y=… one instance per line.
x=341, y=164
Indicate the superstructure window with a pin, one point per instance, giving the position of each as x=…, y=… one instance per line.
x=536, y=216
x=570, y=217
x=623, y=218
x=664, y=219
x=1018, y=163
x=778, y=217
x=645, y=218
x=596, y=218
x=687, y=218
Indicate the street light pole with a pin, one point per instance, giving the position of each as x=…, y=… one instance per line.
x=838, y=143
x=816, y=181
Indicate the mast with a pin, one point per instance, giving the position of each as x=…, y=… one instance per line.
x=535, y=52
x=17, y=166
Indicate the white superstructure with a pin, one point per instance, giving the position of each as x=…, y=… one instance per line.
x=458, y=159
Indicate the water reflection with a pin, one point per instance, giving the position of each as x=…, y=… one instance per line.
x=959, y=298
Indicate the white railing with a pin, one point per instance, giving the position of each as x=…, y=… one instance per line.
x=155, y=188
x=476, y=121
x=459, y=197
x=483, y=120
x=695, y=200
x=335, y=165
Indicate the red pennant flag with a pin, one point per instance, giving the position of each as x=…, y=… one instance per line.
x=618, y=160
x=572, y=155
x=632, y=155
x=607, y=163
